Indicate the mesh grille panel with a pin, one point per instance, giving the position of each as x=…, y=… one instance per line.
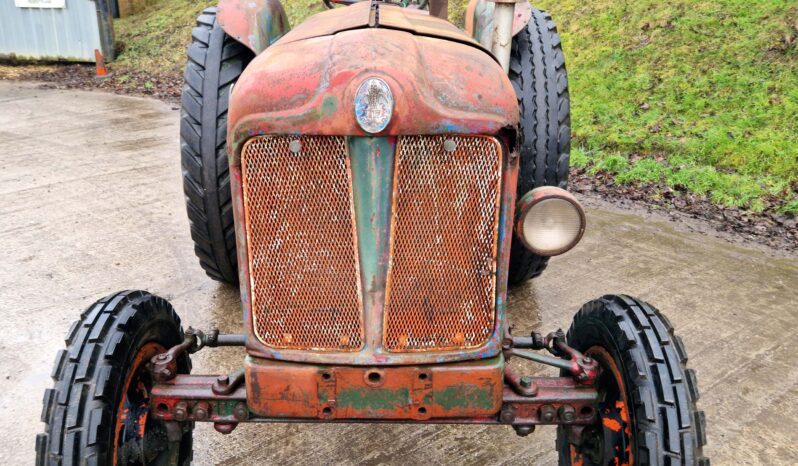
x=441, y=283
x=305, y=283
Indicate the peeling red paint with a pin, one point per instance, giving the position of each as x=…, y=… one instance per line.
x=308, y=87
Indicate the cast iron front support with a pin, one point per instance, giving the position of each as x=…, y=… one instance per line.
x=524, y=401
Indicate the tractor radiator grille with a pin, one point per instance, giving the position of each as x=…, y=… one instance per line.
x=444, y=234
x=303, y=263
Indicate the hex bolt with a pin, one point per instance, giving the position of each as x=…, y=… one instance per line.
x=223, y=379
x=507, y=415
x=241, y=412
x=201, y=411
x=162, y=357
x=526, y=381
x=567, y=413
x=547, y=413
x=587, y=360
x=180, y=413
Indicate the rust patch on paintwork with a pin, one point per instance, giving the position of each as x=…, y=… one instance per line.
x=255, y=23
x=462, y=390
x=358, y=16
x=308, y=87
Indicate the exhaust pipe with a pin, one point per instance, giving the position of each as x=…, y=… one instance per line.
x=503, y=31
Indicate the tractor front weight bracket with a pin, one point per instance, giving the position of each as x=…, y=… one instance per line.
x=524, y=403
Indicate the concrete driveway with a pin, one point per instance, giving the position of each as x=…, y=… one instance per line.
x=91, y=202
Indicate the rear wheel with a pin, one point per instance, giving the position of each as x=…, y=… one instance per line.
x=98, y=410
x=215, y=61
x=647, y=406
x=537, y=72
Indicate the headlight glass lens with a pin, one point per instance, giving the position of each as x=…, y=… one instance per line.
x=552, y=226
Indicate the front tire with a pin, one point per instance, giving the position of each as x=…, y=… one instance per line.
x=215, y=62
x=538, y=75
x=97, y=412
x=647, y=410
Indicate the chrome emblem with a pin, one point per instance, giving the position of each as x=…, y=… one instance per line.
x=373, y=105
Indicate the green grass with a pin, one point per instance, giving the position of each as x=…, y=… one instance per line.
x=155, y=40
x=702, y=94
x=698, y=95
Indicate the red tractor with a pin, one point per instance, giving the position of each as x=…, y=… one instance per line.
x=374, y=179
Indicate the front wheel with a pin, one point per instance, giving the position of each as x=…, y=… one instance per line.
x=98, y=410
x=647, y=405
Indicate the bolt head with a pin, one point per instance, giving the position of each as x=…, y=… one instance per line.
x=507, y=416
x=523, y=431
x=201, y=411
x=547, y=413
x=526, y=381
x=449, y=145
x=223, y=379
x=180, y=412
x=567, y=413
x=241, y=412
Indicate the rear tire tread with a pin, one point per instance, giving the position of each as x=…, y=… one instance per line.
x=215, y=61
x=538, y=74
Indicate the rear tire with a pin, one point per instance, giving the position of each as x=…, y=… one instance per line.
x=537, y=72
x=111, y=343
x=656, y=422
x=215, y=62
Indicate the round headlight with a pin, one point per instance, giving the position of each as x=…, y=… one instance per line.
x=549, y=221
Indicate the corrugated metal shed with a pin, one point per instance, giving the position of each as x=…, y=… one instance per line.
x=70, y=33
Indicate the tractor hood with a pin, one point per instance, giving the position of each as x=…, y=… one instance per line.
x=307, y=85
x=378, y=15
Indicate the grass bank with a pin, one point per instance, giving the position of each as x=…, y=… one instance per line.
x=694, y=95
x=698, y=96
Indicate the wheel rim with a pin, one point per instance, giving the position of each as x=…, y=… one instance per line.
x=609, y=442
x=139, y=439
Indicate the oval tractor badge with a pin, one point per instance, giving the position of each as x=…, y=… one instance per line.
x=373, y=105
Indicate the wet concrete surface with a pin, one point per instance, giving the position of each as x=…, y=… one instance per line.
x=91, y=202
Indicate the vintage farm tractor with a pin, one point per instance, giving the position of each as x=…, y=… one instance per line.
x=375, y=179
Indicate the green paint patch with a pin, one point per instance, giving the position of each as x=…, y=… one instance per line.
x=373, y=398
x=464, y=396
x=329, y=105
